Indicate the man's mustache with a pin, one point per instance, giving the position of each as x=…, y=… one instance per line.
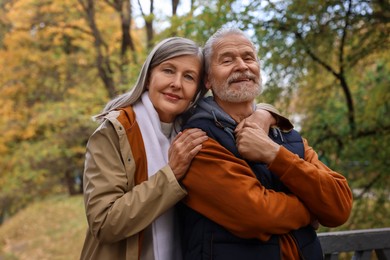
x=241, y=76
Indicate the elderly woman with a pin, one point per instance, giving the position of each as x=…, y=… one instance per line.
x=135, y=158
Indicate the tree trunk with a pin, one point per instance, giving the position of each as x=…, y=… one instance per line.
x=148, y=23
x=102, y=61
x=175, y=4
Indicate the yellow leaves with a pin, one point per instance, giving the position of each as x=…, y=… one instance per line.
x=30, y=130
x=53, y=7
x=49, y=87
x=10, y=115
x=19, y=42
x=20, y=21
x=77, y=150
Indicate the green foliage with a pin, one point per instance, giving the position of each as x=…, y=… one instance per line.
x=326, y=65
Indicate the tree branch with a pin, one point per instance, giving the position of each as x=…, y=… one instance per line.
x=103, y=61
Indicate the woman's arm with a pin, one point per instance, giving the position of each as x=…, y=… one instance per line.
x=115, y=208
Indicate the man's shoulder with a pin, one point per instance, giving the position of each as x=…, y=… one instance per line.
x=292, y=140
x=200, y=122
x=285, y=136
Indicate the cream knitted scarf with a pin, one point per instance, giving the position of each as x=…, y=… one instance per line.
x=156, y=147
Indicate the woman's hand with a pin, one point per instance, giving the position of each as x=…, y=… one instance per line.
x=183, y=149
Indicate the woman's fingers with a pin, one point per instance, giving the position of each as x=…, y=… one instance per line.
x=183, y=149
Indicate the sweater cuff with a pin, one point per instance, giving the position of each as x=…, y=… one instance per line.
x=282, y=122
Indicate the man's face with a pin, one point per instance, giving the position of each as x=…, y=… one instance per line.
x=234, y=74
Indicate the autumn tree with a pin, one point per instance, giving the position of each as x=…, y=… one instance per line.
x=325, y=64
x=60, y=62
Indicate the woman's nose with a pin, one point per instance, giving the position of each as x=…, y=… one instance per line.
x=176, y=81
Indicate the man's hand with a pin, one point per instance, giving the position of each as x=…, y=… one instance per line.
x=183, y=149
x=254, y=144
x=262, y=118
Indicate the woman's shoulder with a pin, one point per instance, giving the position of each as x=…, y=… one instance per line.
x=117, y=122
x=120, y=118
x=112, y=115
x=110, y=125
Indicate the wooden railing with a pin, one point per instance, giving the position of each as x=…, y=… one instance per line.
x=356, y=244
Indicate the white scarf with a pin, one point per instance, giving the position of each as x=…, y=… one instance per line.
x=156, y=147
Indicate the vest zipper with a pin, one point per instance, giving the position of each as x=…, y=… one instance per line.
x=276, y=132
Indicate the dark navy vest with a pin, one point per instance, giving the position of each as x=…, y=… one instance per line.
x=204, y=239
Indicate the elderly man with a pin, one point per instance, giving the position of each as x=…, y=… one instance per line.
x=252, y=195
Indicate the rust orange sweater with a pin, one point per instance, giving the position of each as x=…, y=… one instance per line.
x=224, y=189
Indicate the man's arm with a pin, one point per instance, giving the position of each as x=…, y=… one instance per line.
x=223, y=188
x=325, y=192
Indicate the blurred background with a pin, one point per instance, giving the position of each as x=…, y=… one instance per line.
x=325, y=64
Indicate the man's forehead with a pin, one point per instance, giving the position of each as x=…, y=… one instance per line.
x=233, y=43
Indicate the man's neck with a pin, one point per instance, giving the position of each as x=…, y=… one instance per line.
x=237, y=111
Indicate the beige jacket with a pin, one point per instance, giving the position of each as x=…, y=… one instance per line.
x=117, y=209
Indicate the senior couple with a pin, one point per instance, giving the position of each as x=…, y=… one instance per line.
x=171, y=174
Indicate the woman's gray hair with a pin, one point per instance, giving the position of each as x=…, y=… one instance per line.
x=216, y=37
x=165, y=50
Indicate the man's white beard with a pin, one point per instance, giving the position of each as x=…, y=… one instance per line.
x=242, y=94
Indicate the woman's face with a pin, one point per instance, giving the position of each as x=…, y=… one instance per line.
x=172, y=86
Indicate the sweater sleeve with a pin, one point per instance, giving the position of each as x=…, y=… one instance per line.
x=325, y=192
x=223, y=188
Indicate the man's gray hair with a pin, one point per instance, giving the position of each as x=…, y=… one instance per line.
x=165, y=50
x=216, y=37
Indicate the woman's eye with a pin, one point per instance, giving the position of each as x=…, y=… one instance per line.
x=189, y=77
x=168, y=71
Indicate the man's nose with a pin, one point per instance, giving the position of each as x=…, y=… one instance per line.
x=241, y=64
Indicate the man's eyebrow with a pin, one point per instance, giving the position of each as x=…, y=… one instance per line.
x=251, y=53
x=226, y=53
x=230, y=53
